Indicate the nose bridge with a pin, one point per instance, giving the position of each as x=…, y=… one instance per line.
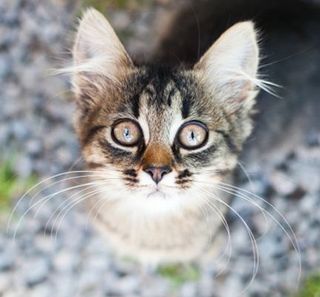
x=157, y=155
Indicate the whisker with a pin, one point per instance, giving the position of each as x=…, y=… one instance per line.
x=65, y=202
x=261, y=209
x=62, y=214
x=287, y=230
x=96, y=207
x=235, y=189
x=293, y=238
x=246, y=173
x=214, y=172
x=255, y=250
x=44, y=200
x=64, y=180
x=37, y=185
x=228, y=250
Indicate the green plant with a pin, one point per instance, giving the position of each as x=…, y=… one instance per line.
x=102, y=5
x=11, y=184
x=179, y=274
x=311, y=287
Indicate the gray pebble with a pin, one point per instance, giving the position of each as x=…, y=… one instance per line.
x=19, y=130
x=188, y=290
x=34, y=147
x=43, y=290
x=5, y=282
x=23, y=166
x=65, y=261
x=124, y=286
x=6, y=260
x=5, y=66
x=4, y=133
x=121, y=20
x=36, y=271
x=282, y=183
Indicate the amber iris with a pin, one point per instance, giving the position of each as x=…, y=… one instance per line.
x=193, y=135
x=126, y=132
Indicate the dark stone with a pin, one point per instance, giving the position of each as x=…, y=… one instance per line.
x=297, y=194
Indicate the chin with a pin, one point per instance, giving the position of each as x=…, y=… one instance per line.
x=156, y=226
x=154, y=223
x=156, y=201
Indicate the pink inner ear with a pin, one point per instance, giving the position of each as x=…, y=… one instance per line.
x=244, y=89
x=236, y=90
x=236, y=95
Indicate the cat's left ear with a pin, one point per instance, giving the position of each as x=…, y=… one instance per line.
x=97, y=51
x=229, y=68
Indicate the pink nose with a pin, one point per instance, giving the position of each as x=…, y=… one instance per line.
x=157, y=173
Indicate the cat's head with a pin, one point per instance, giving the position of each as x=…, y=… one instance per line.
x=159, y=136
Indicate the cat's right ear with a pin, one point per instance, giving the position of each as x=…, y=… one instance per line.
x=98, y=55
x=229, y=67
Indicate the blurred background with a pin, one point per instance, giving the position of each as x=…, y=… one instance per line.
x=48, y=248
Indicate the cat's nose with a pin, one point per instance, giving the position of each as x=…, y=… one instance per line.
x=157, y=172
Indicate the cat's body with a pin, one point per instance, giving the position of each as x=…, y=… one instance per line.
x=162, y=141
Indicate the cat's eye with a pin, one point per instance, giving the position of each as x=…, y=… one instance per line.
x=126, y=132
x=193, y=135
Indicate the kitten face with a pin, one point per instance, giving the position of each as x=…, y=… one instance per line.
x=160, y=136
x=159, y=140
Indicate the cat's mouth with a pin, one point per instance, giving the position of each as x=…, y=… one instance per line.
x=157, y=193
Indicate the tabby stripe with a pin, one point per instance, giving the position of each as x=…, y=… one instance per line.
x=130, y=172
x=185, y=110
x=135, y=105
x=94, y=165
x=184, y=173
x=91, y=133
x=181, y=182
x=130, y=179
x=108, y=150
x=171, y=95
x=231, y=145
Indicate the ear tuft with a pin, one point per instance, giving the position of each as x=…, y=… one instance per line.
x=229, y=67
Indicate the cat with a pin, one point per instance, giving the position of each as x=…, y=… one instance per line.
x=160, y=141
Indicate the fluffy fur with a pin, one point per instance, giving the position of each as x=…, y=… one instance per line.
x=180, y=218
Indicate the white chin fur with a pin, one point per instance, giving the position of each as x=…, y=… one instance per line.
x=156, y=225
x=147, y=201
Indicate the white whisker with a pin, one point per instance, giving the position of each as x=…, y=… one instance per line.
x=96, y=207
x=62, y=214
x=246, y=173
x=39, y=184
x=228, y=250
x=45, y=200
x=242, y=193
x=293, y=239
x=66, y=202
x=255, y=251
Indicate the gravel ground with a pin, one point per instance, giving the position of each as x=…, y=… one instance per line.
x=39, y=257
